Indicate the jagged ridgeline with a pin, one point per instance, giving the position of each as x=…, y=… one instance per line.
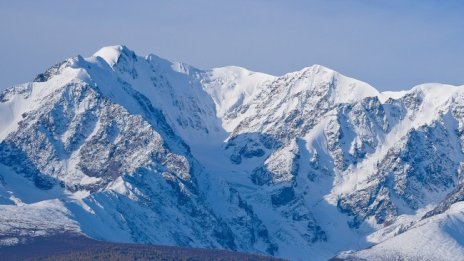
x=124, y=148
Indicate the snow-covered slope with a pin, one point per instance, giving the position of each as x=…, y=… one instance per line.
x=126, y=148
x=437, y=238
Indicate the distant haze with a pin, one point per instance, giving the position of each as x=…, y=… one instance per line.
x=392, y=45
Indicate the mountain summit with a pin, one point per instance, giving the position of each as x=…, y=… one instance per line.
x=308, y=165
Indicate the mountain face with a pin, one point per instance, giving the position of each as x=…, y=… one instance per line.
x=308, y=165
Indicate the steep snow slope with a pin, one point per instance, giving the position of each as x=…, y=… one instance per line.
x=127, y=148
x=438, y=238
x=231, y=87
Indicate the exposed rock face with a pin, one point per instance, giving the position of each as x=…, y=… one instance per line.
x=138, y=149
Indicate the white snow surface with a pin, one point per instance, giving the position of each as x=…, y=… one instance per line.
x=438, y=238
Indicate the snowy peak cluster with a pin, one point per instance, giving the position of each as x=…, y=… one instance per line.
x=126, y=148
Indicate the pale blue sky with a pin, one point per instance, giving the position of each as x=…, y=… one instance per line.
x=391, y=44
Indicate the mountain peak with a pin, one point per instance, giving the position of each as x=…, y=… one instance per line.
x=342, y=88
x=112, y=53
x=317, y=68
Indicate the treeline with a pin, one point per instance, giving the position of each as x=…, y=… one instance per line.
x=76, y=247
x=151, y=253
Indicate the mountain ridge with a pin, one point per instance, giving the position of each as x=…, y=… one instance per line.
x=311, y=163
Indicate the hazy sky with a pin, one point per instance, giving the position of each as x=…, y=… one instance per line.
x=391, y=44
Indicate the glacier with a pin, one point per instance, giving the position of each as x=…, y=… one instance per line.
x=310, y=165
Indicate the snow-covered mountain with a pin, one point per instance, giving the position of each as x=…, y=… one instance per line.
x=305, y=166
